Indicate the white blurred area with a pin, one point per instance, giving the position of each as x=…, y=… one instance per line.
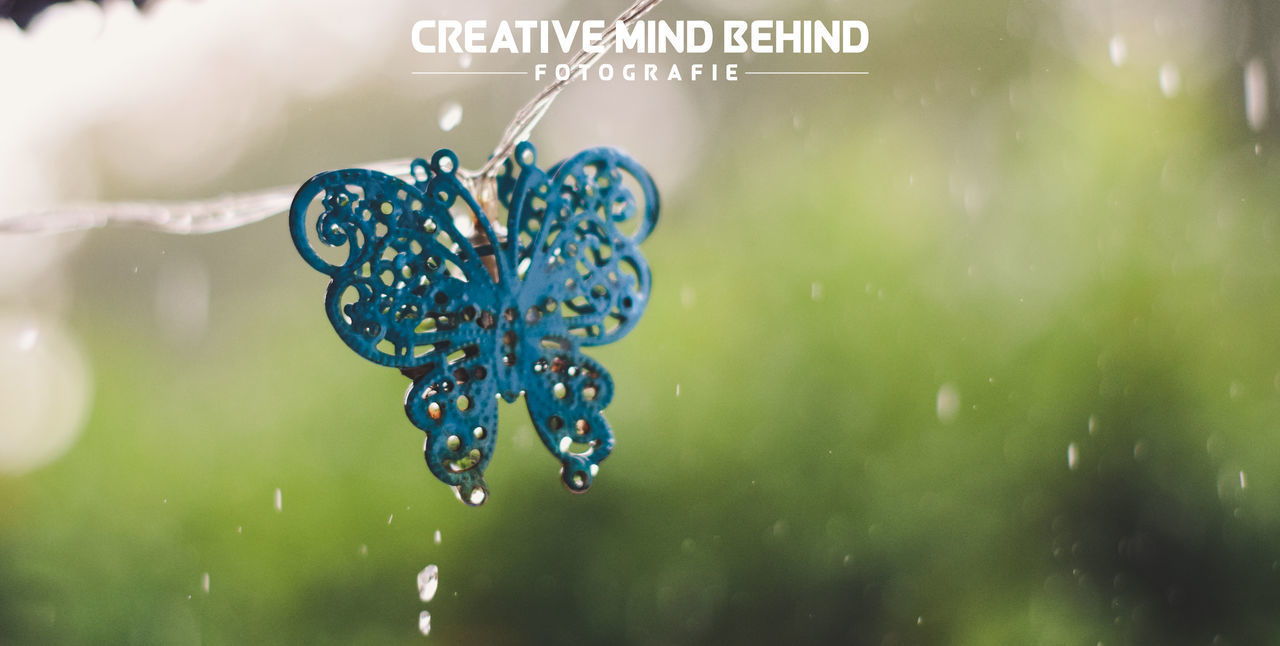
x=168, y=101
x=44, y=391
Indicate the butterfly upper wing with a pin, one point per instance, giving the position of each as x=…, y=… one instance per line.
x=413, y=293
x=583, y=282
x=567, y=241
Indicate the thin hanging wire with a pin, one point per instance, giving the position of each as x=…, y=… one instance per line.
x=240, y=209
x=528, y=116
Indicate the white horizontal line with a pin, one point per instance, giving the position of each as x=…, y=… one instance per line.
x=468, y=73
x=808, y=73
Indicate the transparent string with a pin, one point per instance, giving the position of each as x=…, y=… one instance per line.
x=240, y=209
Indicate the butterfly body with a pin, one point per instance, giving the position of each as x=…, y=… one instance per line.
x=473, y=315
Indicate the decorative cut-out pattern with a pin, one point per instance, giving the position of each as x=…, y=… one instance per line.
x=424, y=281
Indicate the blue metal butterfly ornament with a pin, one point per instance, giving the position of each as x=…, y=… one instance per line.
x=472, y=311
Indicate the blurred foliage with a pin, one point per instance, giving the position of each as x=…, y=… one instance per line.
x=1061, y=253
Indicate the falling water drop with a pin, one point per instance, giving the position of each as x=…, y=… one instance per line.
x=1073, y=456
x=1170, y=80
x=677, y=390
x=204, y=583
x=1235, y=390
x=1141, y=450
x=27, y=338
x=1255, y=94
x=182, y=300
x=450, y=116
x=1118, y=50
x=279, y=500
x=390, y=518
x=428, y=581
x=424, y=622
x=437, y=537
x=815, y=291
x=948, y=403
x=688, y=297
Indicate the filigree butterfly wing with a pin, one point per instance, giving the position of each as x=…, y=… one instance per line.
x=566, y=396
x=413, y=293
x=574, y=237
x=583, y=282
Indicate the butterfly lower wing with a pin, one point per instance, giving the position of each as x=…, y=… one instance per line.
x=454, y=400
x=566, y=393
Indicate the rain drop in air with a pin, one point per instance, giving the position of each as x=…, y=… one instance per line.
x=450, y=116
x=428, y=581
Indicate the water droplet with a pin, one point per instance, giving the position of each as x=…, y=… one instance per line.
x=688, y=297
x=973, y=199
x=204, y=583
x=364, y=550
x=428, y=582
x=279, y=500
x=464, y=61
x=1141, y=450
x=948, y=403
x=1255, y=94
x=677, y=390
x=424, y=623
x=390, y=518
x=1093, y=425
x=1235, y=390
x=1118, y=49
x=1244, y=482
x=450, y=116
x=1170, y=80
x=1073, y=456
x=437, y=537
x=240, y=529
x=815, y=291
x=182, y=300
x=27, y=339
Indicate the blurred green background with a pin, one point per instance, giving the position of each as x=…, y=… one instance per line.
x=976, y=349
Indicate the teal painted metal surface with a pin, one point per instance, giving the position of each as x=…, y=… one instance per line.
x=425, y=281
